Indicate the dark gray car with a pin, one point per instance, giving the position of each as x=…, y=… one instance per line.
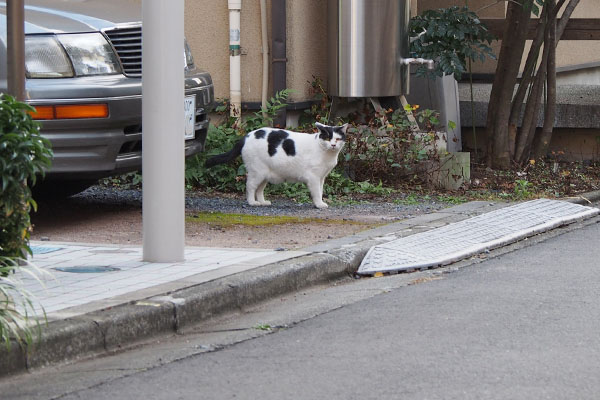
x=83, y=65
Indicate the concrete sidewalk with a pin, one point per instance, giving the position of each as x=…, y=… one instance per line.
x=104, y=298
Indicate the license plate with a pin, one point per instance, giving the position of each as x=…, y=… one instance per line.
x=190, y=116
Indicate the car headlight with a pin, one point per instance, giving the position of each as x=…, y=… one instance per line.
x=69, y=55
x=45, y=58
x=90, y=53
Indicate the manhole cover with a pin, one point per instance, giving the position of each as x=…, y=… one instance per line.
x=89, y=269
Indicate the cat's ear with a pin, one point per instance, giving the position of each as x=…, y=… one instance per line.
x=344, y=128
x=321, y=127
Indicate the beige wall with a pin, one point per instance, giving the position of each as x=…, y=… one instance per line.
x=207, y=31
x=306, y=45
x=583, y=51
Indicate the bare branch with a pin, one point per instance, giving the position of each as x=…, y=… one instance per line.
x=562, y=24
x=491, y=5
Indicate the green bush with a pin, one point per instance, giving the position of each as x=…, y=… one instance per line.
x=451, y=36
x=24, y=155
x=387, y=149
x=381, y=149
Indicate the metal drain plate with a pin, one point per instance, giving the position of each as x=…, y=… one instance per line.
x=87, y=269
x=463, y=239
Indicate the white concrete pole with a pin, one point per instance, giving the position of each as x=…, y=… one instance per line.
x=163, y=125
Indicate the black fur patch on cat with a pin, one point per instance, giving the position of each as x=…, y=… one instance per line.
x=289, y=147
x=275, y=139
x=260, y=134
x=326, y=134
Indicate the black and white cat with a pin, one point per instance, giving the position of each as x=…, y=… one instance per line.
x=276, y=155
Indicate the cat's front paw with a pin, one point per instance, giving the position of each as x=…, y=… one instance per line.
x=321, y=205
x=254, y=203
x=265, y=203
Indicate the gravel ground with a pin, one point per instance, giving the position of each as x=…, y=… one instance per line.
x=107, y=215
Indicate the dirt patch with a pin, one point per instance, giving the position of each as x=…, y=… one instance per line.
x=125, y=227
x=111, y=219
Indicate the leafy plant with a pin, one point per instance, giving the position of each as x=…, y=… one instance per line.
x=267, y=114
x=388, y=149
x=263, y=327
x=16, y=306
x=130, y=180
x=24, y=155
x=522, y=189
x=451, y=36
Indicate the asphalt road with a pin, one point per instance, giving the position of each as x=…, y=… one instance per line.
x=523, y=325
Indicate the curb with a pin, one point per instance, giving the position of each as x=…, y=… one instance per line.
x=125, y=325
x=115, y=328
x=585, y=198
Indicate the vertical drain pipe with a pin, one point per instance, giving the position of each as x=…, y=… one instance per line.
x=265, y=55
x=278, y=29
x=235, y=71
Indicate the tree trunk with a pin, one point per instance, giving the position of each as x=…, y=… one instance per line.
x=542, y=143
x=513, y=45
x=524, y=84
x=532, y=109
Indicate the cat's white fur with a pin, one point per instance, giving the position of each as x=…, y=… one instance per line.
x=313, y=161
x=277, y=155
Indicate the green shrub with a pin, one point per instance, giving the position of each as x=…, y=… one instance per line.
x=451, y=36
x=24, y=155
x=380, y=150
x=387, y=149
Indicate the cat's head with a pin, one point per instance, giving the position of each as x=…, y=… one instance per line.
x=332, y=137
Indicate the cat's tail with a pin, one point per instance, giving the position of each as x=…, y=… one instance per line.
x=231, y=155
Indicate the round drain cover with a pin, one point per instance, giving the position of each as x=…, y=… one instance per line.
x=88, y=269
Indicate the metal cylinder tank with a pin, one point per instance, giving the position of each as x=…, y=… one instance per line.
x=367, y=39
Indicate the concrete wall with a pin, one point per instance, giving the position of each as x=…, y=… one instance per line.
x=568, y=144
x=207, y=30
x=306, y=45
x=570, y=52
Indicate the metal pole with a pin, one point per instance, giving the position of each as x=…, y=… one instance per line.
x=163, y=185
x=15, y=35
x=279, y=52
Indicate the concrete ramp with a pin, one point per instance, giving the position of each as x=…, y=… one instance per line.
x=472, y=236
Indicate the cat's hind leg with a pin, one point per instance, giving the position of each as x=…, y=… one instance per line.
x=252, y=184
x=260, y=194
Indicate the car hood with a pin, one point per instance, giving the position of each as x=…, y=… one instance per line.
x=69, y=16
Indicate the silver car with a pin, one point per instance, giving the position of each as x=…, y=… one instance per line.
x=83, y=65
